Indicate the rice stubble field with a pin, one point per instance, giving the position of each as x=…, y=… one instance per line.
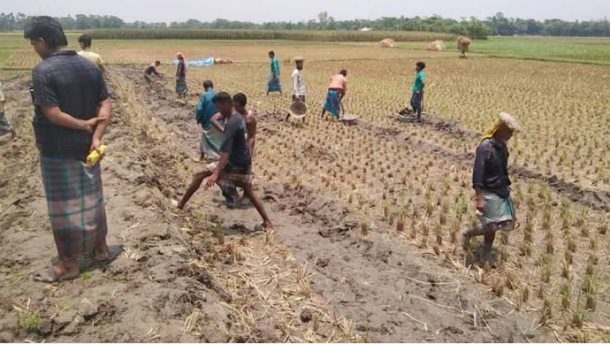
x=369, y=217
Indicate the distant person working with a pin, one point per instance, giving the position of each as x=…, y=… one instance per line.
x=336, y=92
x=152, y=70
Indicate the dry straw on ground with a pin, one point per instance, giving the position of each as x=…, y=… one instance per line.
x=387, y=43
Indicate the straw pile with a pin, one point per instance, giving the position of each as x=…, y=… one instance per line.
x=220, y=60
x=387, y=43
x=437, y=45
x=464, y=42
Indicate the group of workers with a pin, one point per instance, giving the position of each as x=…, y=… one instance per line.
x=73, y=110
x=337, y=87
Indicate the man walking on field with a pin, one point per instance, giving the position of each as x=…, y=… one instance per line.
x=235, y=166
x=337, y=89
x=298, y=81
x=211, y=137
x=273, y=84
x=492, y=184
x=417, y=91
x=463, y=44
x=96, y=59
x=72, y=111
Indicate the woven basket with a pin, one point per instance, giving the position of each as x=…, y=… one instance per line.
x=298, y=109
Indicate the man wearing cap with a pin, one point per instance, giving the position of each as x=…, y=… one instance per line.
x=298, y=82
x=492, y=185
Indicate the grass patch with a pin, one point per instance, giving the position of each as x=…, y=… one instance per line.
x=85, y=276
x=30, y=321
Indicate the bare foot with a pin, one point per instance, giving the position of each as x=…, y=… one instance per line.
x=55, y=274
x=177, y=205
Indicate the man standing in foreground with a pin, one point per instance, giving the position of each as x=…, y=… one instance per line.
x=7, y=133
x=417, y=91
x=298, y=82
x=492, y=185
x=72, y=111
x=336, y=92
x=85, y=43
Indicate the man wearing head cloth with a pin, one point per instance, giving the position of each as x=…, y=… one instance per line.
x=492, y=185
x=298, y=82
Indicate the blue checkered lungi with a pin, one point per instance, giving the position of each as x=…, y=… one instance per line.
x=76, y=205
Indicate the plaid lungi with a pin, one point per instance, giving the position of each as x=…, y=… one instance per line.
x=232, y=176
x=181, y=86
x=498, y=210
x=76, y=205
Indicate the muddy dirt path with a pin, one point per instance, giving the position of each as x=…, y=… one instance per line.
x=179, y=279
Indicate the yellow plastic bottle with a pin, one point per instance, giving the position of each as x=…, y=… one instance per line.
x=95, y=156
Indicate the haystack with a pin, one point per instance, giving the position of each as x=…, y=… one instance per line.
x=220, y=60
x=387, y=43
x=464, y=42
x=436, y=46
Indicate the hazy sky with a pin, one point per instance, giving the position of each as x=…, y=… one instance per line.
x=276, y=10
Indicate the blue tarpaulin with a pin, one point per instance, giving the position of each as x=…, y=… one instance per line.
x=206, y=61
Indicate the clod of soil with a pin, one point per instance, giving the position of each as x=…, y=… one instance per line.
x=306, y=316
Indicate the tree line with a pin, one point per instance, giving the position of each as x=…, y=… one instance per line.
x=473, y=27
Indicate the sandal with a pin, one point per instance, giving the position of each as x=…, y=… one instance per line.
x=113, y=253
x=50, y=276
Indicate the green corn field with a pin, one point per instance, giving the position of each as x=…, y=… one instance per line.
x=324, y=36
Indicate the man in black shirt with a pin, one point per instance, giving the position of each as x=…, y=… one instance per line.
x=235, y=166
x=72, y=111
x=492, y=185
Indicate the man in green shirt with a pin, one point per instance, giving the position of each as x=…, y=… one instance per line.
x=417, y=91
